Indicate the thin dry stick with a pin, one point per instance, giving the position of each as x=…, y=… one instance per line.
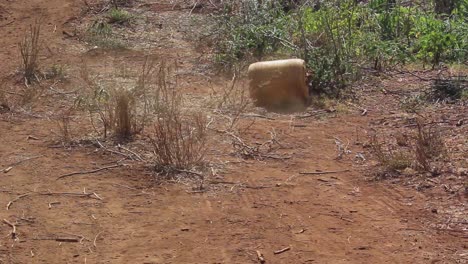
x=322, y=172
x=21, y=161
x=281, y=250
x=16, y=199
x=95, y=239
x=60, y=239
x=260, y=257
x=10, y=203
x=113, y=151
x=132, y=152
x=13, y=231
x=88, y=172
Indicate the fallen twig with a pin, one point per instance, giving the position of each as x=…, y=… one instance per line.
x=191, y=172
x=89, y=172
x=13, y=231
x=133, y=153
x=322, y=172
x=282, y=250
x=61, y=239
x=91, y=195
x=260, y=257
x=16, y=199
x=21, y=161
x=113, y=151
x=258, y=116
x=95, y=239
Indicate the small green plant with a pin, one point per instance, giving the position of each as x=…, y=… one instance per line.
x=449, y=88
x=249, y=28
x=57, y=71
x=340, y=39
x=100, y=34
x=100, y=28
x=119, y=16
x=119, y=3
x=413, y=103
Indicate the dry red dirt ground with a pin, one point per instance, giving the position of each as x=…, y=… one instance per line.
x=126, y=215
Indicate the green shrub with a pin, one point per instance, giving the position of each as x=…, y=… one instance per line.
x=100, y=34
x=119, y=16
x=249, y=28
x=338, y=39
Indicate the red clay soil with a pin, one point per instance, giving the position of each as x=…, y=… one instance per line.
x=122, y=215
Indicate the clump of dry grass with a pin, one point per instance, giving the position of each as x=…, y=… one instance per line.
x=125, y=123
x=64, y=124
x=429, y=145
x=179, y=137
x=29, y=49
x=122, y=110
x=390, y=160
x=417, y=152
x=179, y=143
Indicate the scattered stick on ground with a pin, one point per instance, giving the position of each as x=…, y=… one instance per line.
x=61, y=239
x=89, y=172
x=282, y=250
x=16, y=199
x=10, y=166
x=323, y=172
x=13, y=231
x=95, y=239
x=83, y=194
x=260, y=257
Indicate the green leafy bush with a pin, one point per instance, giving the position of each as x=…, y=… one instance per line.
x=249, y=28
x=119, y=16
x=338, y=39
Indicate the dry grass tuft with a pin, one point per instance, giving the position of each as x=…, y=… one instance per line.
x=179, y=144
x=29, y=49
x=122, y=109
x=419, y=152
x=390, y=160
x=64, y=124
x=125, y=125
x=429, y=145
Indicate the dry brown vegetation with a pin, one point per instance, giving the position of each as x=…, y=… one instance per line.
x=416, y=151
x=29, y=49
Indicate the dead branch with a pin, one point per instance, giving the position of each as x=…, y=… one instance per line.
x=13, y=231
x=95, y=239
x=260, y=257
x=258, y=116
x=83, y=194
x=21, y=161
x=323, y=172
x=191, y=172
x=16, y=199
x=131, y=152
x=282, y=250
x=89, y=172
x=113, y=151
x=61, y=239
